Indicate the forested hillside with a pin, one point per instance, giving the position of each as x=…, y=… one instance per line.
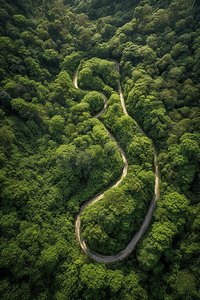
x=54, y=155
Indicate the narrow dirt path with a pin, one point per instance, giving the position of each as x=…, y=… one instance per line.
x=129, y=248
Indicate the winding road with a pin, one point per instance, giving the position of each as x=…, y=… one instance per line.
x=129, y=248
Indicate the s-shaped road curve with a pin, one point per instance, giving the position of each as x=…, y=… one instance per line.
x=129, y=248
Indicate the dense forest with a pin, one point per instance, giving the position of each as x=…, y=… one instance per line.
x=54, y=155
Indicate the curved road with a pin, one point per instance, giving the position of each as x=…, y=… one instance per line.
x=129, y=248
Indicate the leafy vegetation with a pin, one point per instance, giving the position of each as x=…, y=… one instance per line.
x=54, y=155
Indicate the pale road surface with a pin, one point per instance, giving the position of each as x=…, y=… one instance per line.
x=129, y=248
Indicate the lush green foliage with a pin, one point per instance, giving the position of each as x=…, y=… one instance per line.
x=54, y=156
x=95, y=73
x=121, y=12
